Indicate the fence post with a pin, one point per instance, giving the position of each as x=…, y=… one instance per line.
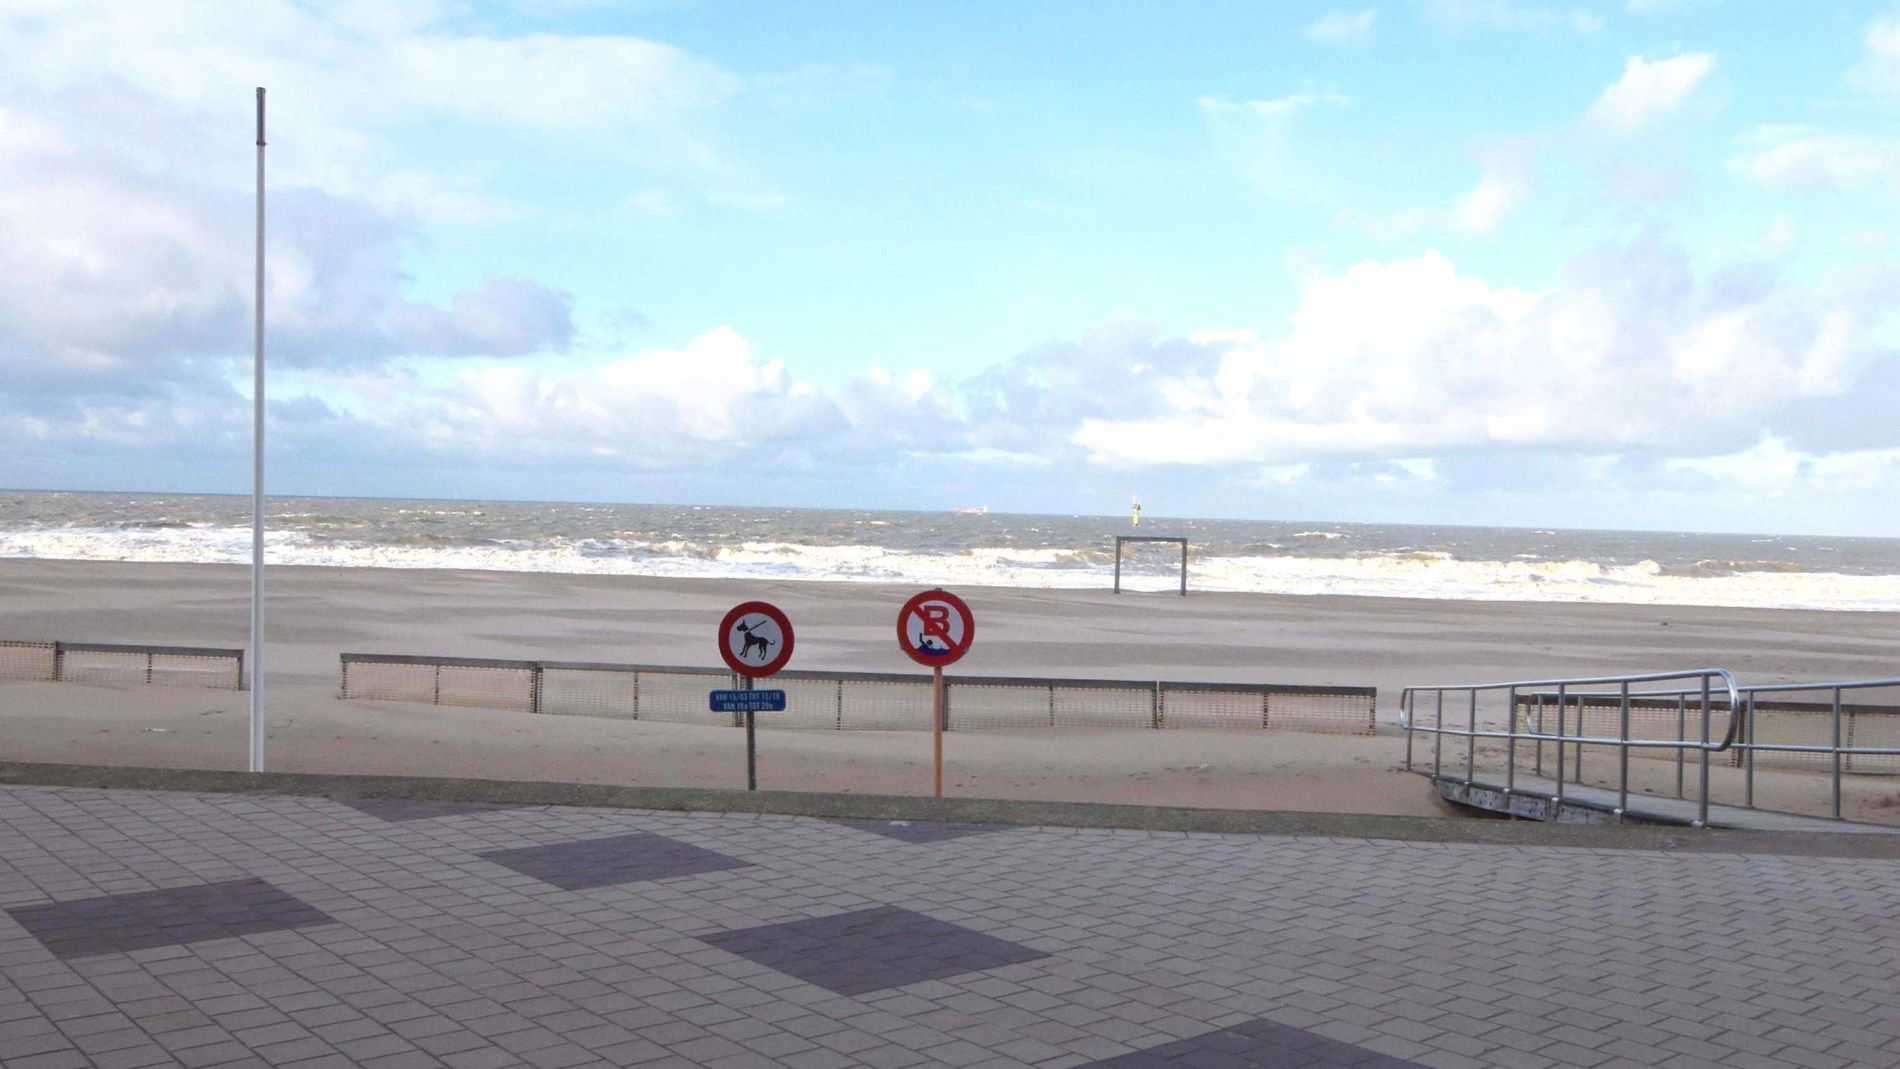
x=1748, y=727
x=1265, y=714
x=534, y=691
x=1118, y=564
x=438, y=685
x=59, y=662
x=1156, y=707
x=1510, y=751
x=840, y=724
x=946, y=706
x=149, y=658
x=1837, y=754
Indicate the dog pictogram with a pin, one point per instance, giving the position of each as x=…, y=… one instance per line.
x=754, y=640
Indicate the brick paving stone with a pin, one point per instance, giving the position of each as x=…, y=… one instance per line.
x=1139, y=945
x=920, y=831
x=400, y=809
x=871, y=949
x=619, y=859
x=170, y=917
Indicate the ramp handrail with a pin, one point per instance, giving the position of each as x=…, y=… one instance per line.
x=1706, y=681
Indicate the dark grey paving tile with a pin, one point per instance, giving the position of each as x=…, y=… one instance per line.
x=617, y=859
x=920, y=831
x=871, y=949
x=168, y=917
x=1254, y=1045
x=420, y=808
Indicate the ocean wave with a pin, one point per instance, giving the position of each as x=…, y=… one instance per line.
x=1411, y=573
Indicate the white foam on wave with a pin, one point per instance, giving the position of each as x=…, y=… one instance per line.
x=1406, y=574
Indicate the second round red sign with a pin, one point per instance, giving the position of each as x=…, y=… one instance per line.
x=935, y=628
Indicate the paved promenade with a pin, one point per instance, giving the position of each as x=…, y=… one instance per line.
x=166, y=928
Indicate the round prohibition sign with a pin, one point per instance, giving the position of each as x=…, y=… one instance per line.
x=935, y=628
x=755, y=639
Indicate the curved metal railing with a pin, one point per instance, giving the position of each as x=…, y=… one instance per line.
x=1706, y=684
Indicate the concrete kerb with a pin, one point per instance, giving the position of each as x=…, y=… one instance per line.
x=976, y=810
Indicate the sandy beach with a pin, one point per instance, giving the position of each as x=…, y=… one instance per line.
x=317, y=612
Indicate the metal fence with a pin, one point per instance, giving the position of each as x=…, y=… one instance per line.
x=1774, y=734
x=119, y=663
x=1700, y=719
x=855, y=701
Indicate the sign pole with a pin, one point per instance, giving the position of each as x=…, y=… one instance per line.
x=752, y=626
x=935, y=629
x=936, y=724
x=257, y=470
x=751, y=746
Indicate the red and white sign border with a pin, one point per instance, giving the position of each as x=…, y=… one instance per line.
x=957, y=606
x=779, y=659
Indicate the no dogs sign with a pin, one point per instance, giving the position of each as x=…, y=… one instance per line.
x=935, y=628
x=755, y=639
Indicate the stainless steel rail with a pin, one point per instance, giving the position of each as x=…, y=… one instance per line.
x=1704, y=684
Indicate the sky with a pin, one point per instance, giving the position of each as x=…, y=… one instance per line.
x=1628, y=264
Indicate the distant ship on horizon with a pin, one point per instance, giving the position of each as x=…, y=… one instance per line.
x=972, y=510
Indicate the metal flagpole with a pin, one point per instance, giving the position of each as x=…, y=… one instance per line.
x=257, y=471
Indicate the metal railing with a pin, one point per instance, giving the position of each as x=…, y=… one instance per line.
x=1841, y=748
x=121, y=662
x=1707, y=685
x=855, y=700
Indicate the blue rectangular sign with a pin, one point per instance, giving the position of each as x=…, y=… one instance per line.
x=748, y=701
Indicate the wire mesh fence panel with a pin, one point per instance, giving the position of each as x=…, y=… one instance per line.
x=486, y=688
x=1103, y=707
x=389, y=682
x=810, y=704
x=1184, y=708
x=980, y=707
x=187, y=670
x=1873, y=728
x=681, y=697
x=102, y=666
x=878, y=705
x=28, y=661
x=1347, y=713
x=589, y=692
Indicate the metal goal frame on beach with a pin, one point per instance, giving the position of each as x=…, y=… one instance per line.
x=1121, y=539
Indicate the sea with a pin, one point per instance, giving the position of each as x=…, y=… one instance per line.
x=946, y=548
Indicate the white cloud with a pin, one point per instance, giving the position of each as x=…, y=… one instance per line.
x=1411, y=357
x=1879, y=69
x=1500, y=190
x=1772, y=465
x=1343, y=27
x=1257, y=138
x=1273, y=108
x=1648, y=91
x=1804, y=158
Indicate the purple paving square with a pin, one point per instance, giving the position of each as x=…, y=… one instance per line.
x=920, y=831
x=116, y=923
x=619, y=859
x=871, y=949
x=1255, y=1045
x=395, y=809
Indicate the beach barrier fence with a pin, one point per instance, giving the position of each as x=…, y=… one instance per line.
x=121, y=663
x=856, y=701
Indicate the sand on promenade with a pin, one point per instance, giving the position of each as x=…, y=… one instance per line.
x=317, y=612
